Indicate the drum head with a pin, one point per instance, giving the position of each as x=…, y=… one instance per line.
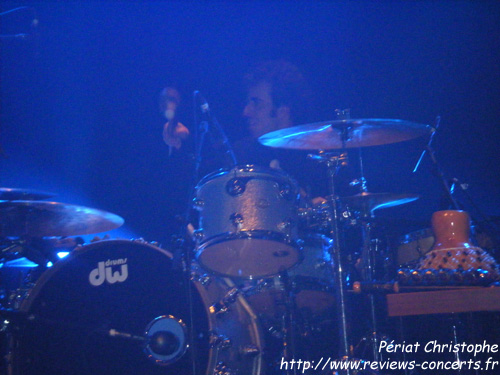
x=414, y=245
x=248, y=222
x=248, y=256
x=110, y=285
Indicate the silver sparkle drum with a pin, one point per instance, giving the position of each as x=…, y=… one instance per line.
x=248, y=222
x=311, y=281
x=118, y=307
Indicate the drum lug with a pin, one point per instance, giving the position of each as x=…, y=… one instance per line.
x=287, y=192
x=284, y=226
x=222, y=306
x=236, y=187
x=198, y=234
x=250, y=351
x=349, y=218
x=231, y=295
x=222, y=369
x=219, y=341
x=237, y=220
x=198, y=204
x=204, y=279
x=219, y=309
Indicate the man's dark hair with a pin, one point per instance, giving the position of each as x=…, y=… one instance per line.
x=288, y=86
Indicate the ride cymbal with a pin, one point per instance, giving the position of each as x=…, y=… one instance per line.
x=341, y=134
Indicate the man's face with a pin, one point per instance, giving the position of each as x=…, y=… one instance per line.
x=260, y=112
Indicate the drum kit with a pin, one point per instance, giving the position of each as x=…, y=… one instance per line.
x=258, y=288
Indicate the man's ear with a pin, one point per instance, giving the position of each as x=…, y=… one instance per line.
x=284, y=116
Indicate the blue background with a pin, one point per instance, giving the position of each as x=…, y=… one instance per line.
x=79, y=97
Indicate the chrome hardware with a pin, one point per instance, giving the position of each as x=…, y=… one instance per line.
x=250, y=351
x=237, y=220
x=222, y=306
x=287, y=191
x=198, y=204
x=222, y=369
x=284, y=226
x=231, y=295
x=219, y=341
x=198, y=234
x=204, y=279
x=236, y=187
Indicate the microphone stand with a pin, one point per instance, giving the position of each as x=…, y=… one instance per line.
x=437, y=168
x=182, y=254
x=225, y=141
x=212, y=120
x=491, y=227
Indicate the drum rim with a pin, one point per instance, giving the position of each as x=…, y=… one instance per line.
x=415, y=236
x=253, y=334
x=257, y=234
x=248, y=168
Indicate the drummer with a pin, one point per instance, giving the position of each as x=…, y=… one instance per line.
x=278, y=96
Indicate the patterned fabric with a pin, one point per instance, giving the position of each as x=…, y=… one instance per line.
x=459, y=258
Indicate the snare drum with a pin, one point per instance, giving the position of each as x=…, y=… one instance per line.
x=117, y=307
x=248, y=222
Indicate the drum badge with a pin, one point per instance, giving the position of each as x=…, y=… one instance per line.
x=104, y=272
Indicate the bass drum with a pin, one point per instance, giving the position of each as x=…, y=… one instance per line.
x=118, y=307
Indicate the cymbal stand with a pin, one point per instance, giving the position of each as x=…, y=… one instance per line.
x=366, y=214
x=367, y=276
x=289, y=316
x=361, y=181
x=333, y=164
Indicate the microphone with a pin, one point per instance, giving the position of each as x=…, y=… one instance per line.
x=169, y=101
x=202, y=102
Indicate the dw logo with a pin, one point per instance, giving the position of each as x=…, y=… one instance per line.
x=104, y=272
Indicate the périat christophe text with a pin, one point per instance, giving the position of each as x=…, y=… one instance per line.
x=469, y=352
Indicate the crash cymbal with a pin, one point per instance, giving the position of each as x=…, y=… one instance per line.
x=369, y=202
x=341, y=134
x=41, y=219
x=14, y=194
